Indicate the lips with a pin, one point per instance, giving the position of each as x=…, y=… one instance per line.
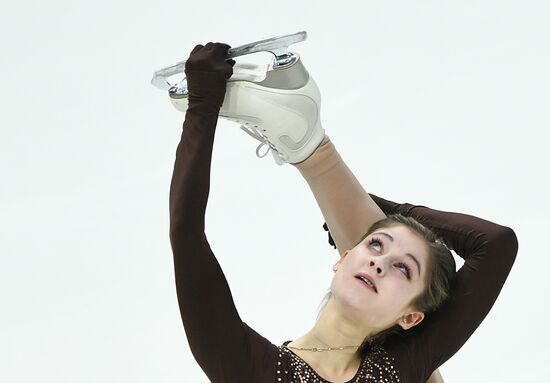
x=369, y=278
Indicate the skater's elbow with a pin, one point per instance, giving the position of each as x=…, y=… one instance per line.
x=510, y=240
x=503, y=243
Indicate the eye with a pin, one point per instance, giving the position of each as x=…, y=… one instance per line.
x=374, y=240
x=407, y=272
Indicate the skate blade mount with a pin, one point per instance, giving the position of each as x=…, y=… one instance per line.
x=278, y=46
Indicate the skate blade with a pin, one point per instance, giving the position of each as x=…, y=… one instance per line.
x=278, y=46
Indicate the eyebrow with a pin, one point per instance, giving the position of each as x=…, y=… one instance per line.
x=408, y=254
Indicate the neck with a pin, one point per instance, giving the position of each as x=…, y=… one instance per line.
x=332, y=329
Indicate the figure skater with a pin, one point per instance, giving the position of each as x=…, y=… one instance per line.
x=397, y=309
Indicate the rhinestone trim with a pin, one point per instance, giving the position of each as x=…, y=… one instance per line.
x=377, y=366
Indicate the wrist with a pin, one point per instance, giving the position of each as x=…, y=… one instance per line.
x=205, y=88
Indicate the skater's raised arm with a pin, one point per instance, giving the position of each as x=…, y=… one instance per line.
x=190, y=183
x=218, y=339
x=346, y=207
x=489, y=251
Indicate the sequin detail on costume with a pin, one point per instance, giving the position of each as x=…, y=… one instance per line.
x=377, y=367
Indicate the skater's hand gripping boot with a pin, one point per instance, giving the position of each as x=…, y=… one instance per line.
x=278, y=104
x=207, y=72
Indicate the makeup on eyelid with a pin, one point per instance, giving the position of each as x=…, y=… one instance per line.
x=407, y=267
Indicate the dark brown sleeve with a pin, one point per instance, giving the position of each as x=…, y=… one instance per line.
x=489, y=251
x=226, y=349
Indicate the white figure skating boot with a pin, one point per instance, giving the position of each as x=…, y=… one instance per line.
x=278, y=103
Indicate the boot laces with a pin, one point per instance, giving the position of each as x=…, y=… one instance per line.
x=258, y=135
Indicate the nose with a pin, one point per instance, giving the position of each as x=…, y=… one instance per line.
x=379, y=265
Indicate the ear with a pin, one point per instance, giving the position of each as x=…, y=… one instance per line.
x=411, y=320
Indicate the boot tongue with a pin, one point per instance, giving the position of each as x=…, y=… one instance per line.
x=249, y=72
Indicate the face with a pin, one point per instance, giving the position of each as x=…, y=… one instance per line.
x=397, y=276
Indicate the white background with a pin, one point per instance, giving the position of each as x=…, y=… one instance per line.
x=440, y=103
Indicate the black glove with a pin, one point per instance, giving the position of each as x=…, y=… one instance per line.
x=207, y=71
x=330, y=240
